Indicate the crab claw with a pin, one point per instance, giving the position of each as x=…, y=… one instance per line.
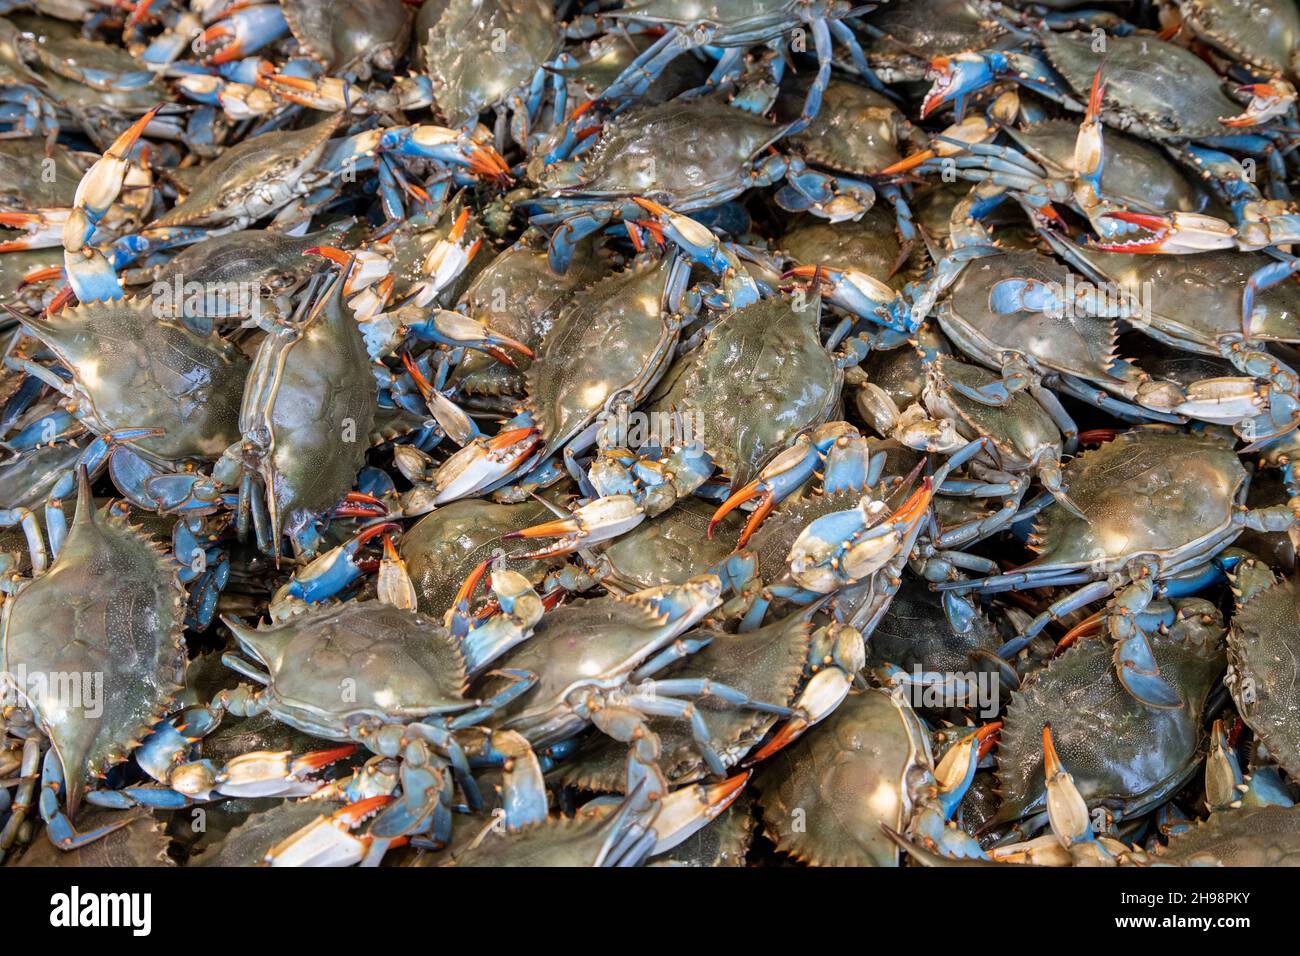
x=1178, y=232
x=685, y=811
x=824, y=692
x=783, y=475
x=244, y=31
x=1066, y=810
x=457, y=330
x=328, y=93
x=483, y=462
x=597, y=521
x=859, y=293
x=101, y=185
x=953, y=77
x=1267, y=101
x=447, y=146
x=393, y=584
x=328, y=840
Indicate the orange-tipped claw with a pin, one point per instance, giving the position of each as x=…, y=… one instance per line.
x=1094, y=97
x=650, y=206
x=1097, y=436
x=916, y=504
x=548, y=529
x=457, y=230
x=988, y=738
x=756, y=518
x=738, y=498
x=18, y=220
x=421, y=383
x=471, y=584
x=509, y=437
x=1146, y=220
x=1085, y=628
x=785, y=735
x=356, y=813
x=1051, y=762
x=41, y=275
x=320, y=759
x=366, y=535
x=909, y=163
x=332, y=253
x=61, y=298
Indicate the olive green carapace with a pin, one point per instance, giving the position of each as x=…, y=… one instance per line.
x=1123, y=754
x=760, y=378
x=825, y=796
x=323, y=413
x=132, y=368
x=107, y=613
x=1264, y=651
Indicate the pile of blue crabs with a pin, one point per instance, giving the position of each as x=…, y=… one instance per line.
x=760, y=432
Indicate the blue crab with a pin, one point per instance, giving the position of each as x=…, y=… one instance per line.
x=1159, y=505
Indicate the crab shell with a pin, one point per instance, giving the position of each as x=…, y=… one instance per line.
x=517, y=295
x=679, y=154
x=1074, y=343
x=253, y=178
x=444, y=546
x=27, y=183
x=1196, y=300
x=1263, y=648
x=142, y=842
x=857, y=130
x=916, y=633
x=1263, y=33
x=111, y=605
x=766, y=664
x=483, y=51
x=323, y=413
x=1251, y=836
x=268, y=261
x=761, y=377
x=1021, y=430
x=1128, y=176
x=396, y=665
x=135, y=369
x=350, y=34
x=869, y=244
x=825, y=796
x=248, y=843
x=1151, y=491
x=1123, y=755
x=555, y=841
x=612, y=337
x=670, y=549
x=1156, y=89
x=592, y=643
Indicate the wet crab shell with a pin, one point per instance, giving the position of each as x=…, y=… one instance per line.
x=483, y=51
x=444, y=546
x=869, y=244
x=30, y=179
x=110, y=605
x=1074, y=343
x=672, y=548
x=518, y=295
x=346, y=34
x=1263, y=647
x=1021, y=430
x=555, y=841
x=1128, y=177
x=766, y=664
x=252, y=179
x=612, y=337
x=1123, y=755
x=1197, y=299
x=323, y=414
x=1251, y=836
x=760, y=378
x=712, y=146
x=1151, y=491
x=1263, y=33
x=1157, y=89
x=825, y=796
x=915, y=634
x=395, y=665
x=856, y=131
x=134, y=369
x=142, y=842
